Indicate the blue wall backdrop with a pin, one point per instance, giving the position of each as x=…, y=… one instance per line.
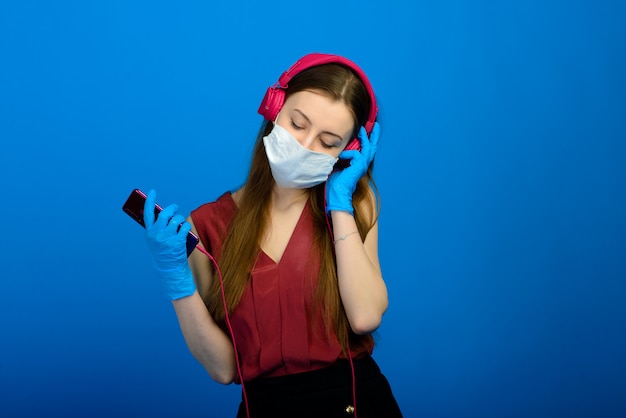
x=501, y=169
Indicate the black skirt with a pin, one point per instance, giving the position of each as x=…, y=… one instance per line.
x=323, y=393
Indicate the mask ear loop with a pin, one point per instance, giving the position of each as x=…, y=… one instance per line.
x=230, y=328
x=352, y=372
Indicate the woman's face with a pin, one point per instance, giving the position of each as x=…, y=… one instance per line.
x=317, y=122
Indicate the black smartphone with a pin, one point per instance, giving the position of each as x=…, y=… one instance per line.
x=134, y=208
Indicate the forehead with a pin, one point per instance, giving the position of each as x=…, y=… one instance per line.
x=327, y=113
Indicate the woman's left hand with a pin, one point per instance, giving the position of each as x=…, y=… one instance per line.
x=341, y=184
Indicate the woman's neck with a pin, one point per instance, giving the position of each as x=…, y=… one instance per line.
x=283, y=198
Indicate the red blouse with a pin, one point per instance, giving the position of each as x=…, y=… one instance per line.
x=274, y=325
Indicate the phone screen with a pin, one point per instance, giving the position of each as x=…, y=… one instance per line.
x=134, y=208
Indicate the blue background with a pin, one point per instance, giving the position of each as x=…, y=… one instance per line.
x=501, y=169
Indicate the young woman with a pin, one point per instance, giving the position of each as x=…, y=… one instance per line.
x=288, y=305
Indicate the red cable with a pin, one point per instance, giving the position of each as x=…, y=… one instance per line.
x=332, y=239
x=232, y=334
x=353, y=374
x=230, y=328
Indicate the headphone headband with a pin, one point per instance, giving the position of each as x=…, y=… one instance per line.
x=275, y=96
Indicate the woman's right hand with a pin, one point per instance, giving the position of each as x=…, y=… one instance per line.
x=208, y=343
x=167, y=241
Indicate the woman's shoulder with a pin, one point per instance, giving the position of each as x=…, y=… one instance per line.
x=226, y=201
x=237, y=195
x=223, y=208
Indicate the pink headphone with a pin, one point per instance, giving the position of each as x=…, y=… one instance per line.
x=275, y=95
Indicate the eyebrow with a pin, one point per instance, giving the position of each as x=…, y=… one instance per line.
x=309, y=121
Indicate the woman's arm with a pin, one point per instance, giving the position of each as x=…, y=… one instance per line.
x=361, y=286
x=206, y=341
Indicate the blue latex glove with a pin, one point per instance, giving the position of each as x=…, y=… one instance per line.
x=341, y=184
x=168, y=246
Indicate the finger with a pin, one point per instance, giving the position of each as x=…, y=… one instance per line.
x=148, y=209
x=372, y=143
x=174, y=224
x=185, y=227
x=375, y=135
x=365, y=141
x=349, y=155
x=166, y=214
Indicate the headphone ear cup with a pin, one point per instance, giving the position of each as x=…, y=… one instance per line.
x=272, y=103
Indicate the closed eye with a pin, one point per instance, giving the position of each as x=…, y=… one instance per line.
x=295, y=125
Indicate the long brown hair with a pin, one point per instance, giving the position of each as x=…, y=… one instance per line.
x=242, y=244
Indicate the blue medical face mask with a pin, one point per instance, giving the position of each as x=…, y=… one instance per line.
x=292, y=165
